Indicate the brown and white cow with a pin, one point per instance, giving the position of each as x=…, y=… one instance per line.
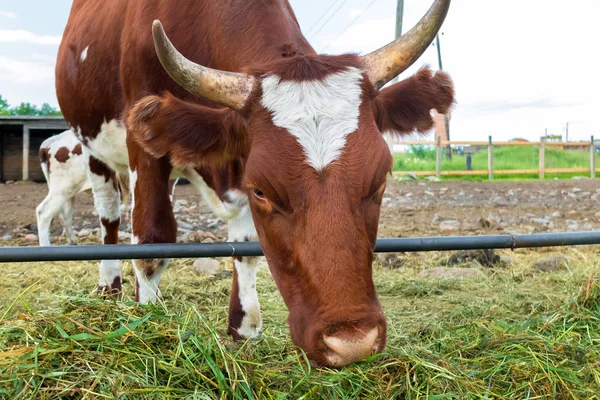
x=283, y=143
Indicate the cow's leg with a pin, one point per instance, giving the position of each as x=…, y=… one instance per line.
x=125, y=191
x=244, y=309
x=66, y=216
x=45, y=213
x=152, y=217
x=172, y=187
x=106, y=201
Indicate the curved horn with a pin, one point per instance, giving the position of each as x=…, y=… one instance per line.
x=230, y=89
x=385, y=64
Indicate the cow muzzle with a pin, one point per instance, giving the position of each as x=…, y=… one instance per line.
x=351, y=347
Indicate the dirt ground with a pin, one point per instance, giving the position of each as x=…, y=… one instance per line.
x=514, y=322
x=410, y=208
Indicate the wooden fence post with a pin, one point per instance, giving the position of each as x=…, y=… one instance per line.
x=490, y=159
x=438, y=157
x=592, y=158
x=542, y=157
x=26, y=153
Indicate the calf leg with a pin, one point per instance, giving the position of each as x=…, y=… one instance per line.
x=152, y=218
x=244, y=308
x=45, y=213
x=66, y=216
x=106, y=200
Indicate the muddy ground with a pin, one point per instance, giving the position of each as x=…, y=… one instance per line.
x=413, y=208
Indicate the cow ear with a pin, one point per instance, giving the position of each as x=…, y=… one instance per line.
x=406, y=106
x=189, y=134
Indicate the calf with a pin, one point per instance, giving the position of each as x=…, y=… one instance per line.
x=63, y=165
x=66, y=169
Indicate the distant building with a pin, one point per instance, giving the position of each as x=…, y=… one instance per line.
x=20, y=140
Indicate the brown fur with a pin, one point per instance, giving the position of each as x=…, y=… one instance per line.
x=405, y=106
x=77, y=150
x=45, y=157
x=97, y=167
x=218, y=135
x=112, y=231
x=236, y=313
x=62, y=155
x=317, y=229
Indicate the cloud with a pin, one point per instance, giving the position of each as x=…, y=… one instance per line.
x=491, y=107
x=25, y=72
x=8, y=14
x=23, y=36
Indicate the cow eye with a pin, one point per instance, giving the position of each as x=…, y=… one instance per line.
x=258, y=193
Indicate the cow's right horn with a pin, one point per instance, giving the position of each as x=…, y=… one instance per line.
x=385, y=64
x=230, y=89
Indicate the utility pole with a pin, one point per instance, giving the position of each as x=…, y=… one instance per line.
x=439, y=51
x=399, y=17
x=446, y=121
x=567, y=138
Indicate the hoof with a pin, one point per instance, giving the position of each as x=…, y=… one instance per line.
x=112, y=292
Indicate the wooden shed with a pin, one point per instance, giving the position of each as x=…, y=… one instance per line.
x=20, y=140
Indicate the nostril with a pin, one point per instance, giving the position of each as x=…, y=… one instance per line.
x=347, y=349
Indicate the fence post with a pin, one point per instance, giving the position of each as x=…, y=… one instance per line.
x=490, y=159
x=592, y=158
x=26, y=140
x=542, y=157
x=438, y=157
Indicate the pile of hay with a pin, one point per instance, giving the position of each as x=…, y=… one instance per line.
x=511, y=332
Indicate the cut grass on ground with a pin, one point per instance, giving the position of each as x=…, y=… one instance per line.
x=510, y=334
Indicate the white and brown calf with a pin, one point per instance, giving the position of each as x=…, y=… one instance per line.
x=64, y=167
x=67, y=170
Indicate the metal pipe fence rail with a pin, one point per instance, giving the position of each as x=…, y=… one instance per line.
x=198, y=250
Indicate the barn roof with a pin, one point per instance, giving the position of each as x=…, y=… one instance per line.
x=35, y=122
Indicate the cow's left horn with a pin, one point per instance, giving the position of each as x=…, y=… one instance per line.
x=385, y=64
x=230, y=89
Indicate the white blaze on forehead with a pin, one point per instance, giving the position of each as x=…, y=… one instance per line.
x=319, y=113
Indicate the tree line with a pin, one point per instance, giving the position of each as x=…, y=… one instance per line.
x=27, y=109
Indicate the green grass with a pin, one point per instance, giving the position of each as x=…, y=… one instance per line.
x=505, y=158
x=512, y=334
x=511, y=177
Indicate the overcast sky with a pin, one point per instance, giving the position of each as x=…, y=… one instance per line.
x=519, y=66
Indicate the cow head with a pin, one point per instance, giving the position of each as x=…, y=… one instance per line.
x=308, y=130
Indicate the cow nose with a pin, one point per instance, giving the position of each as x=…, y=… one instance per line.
x=347, y=348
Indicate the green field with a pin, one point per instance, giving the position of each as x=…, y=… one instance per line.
x=422, y=158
